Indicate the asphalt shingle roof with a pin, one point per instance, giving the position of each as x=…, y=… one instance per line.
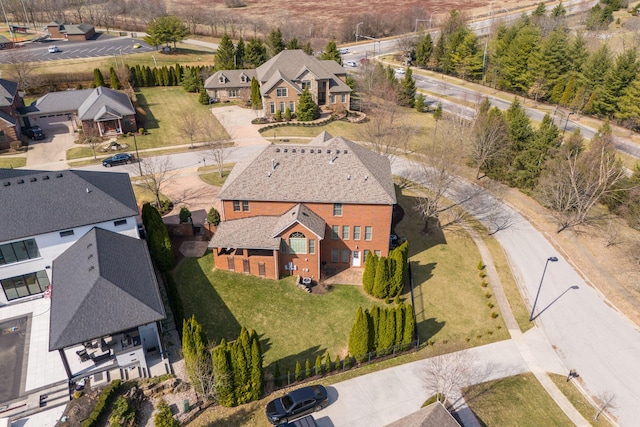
x=327, y=170
x=93, y=295
x=36, y=202
x=434, y=415
x=78, y=29
x=232, y=79
x=8, y=91
x=263, y=232
x=89, y=103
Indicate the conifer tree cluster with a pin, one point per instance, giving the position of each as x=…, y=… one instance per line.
x=384, y=277
x=190, y=77
x=158, y=240
x=381, y=329
x=238, y=369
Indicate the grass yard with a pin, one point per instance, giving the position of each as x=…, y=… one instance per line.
x=518, y=401
x=164, y=106
x=450, y=304
x=213, y=178
x=12, y=162
x=579, y=401
x=223, y=302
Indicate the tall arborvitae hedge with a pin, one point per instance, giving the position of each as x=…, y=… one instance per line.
x=197, y=356
x=160, y=246
x=385, y=276
x=224, y=375
x=382, y=281
x=369, y=274
x=380, y=330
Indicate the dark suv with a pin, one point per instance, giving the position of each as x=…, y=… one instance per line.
x=33, y=132
x=296, y=404
x=118, y=159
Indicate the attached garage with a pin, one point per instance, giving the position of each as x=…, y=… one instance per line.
x=52, y=121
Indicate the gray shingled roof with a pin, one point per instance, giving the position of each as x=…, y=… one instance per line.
x=434, y=415
x=8, y=91
x=334, y=171
x=263, y=232
x=36, y=202
x=78, y=29
x=303, y=215
x=7, y=118
x=89, y=103
x=232, y=79
x=250, y=233
x=97, y=290
x=276, y=78
x=289, y=63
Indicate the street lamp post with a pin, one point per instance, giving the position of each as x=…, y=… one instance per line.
x=358, y=26
x=566, y=122
x=552, y=259
x=137, y=154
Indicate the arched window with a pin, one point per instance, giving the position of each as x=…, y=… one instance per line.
x=297, y=243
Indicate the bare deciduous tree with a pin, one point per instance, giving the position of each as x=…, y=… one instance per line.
x=24, y=73
x=444, y=375
x=189, y=125
x=217, y=150
x=577, y=180
x=156, y=172
x=606, y=401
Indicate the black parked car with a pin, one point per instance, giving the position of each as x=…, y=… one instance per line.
x=33, y=132
x=296, y=404
x=118, y=159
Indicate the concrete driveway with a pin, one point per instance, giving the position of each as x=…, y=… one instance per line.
x=52, y=150
x=237, y=122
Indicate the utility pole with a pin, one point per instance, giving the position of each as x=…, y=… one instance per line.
x=358, y=26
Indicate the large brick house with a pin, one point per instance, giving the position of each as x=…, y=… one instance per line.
x=282, y=80
x=305, y=209
x=10, y=101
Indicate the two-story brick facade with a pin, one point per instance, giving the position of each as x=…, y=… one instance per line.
x=282, y=80
x=302, y=209
x=10, y=101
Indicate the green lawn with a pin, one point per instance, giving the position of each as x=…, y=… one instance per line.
x=518, y=401
x=292, y=324
x=12, y=162
x=578, y=400
x=450, y=304
x=213, y=178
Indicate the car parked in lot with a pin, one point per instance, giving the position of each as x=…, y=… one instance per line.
x=118, y=159
x=33, y=132
x=343, y=50
x=296, y=404
x=54, y=49
x=351, y=64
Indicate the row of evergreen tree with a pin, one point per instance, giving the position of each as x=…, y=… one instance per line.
x=384, y=277
x=230, y=371
x=323, y=365
x=380, y=330
x=158, y=240
x=540, y=57
x=238, y=369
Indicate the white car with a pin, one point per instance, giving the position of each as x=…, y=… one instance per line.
x=400, y=71
x=54, y=49
x=343, y=50
x=351, y=64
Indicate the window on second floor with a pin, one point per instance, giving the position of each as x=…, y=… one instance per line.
x=18, y=251
x=335, y=230
x=337, y=209
x=356, y=232
x=281, y=92
x=312, y=246
x=345, y=232
x=25, y=285
x=245, y=206
x=236, y=205
x=306, y=84
x=368, y=232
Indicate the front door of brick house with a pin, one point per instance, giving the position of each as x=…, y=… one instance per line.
x=355, y=258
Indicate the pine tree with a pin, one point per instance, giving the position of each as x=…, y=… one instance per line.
x=409, y=325
x=331, y=52
x=257, y=371
x=255, y=53
x=307, y=369
x=407, y=92
x=307, y=49
x=224, y=59
x=256, y=98
x=400, y=317
x=359, y=344
x=203, y=97
x=421, y=103
x=98, y=80
x=387, y=332
x=293, y=44
x=113, y=79
x=287, y=114
x=374, y=326
x=629, y=105
x=239, y=54
x=369, y=274
x=382, y=280
x=307, y=109
x=424, y=51
x=327, y=363
x=163, y=416
x=241, y=374
x=224, y=374
x=569, y=92
x=197, y=356
x=318, y=367
x=275, y=42
x=625, y=71
x=298, y=371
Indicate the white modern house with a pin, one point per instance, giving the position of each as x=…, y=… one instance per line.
x=79, y=298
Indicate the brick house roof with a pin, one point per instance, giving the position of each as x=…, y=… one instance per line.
x=265, y=230
x=327, y=170
x=231, y=79
x=8, y=92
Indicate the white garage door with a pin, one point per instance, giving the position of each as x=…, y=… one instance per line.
x=51, y=121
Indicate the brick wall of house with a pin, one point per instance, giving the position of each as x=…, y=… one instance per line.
x=271, y=97
x=9, y=133
x=376, y=216
x=221, y=261
x=307, y=265
x=54, y=31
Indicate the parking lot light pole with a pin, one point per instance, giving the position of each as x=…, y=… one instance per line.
x=137, y=154
x=358, y=26
x=552, y=259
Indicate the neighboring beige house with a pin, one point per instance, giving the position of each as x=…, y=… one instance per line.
x=282, y=80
